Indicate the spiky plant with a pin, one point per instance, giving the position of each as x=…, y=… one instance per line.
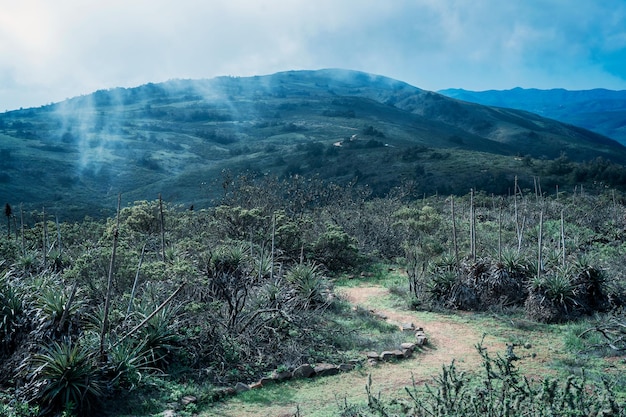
x=441, y=283
x=127, y=362
x=558, y=288
x=308, y=281
x=51, y=302
x=513, y=261
x=159, y=338
x=27, y=262
x=11, y=309
x=228, y=259
x=67, y=378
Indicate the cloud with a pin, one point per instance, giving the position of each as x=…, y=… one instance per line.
x=53, y=50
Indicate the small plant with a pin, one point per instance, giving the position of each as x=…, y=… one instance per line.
x=11, y=309
x=309, y=283
x=66, y=377
x=126, y=363
x=51, y=302
x=498, y=389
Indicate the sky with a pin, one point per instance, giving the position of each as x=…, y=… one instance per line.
x=54, y=50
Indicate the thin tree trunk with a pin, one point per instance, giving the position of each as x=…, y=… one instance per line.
x=22, y=229
x=500, y=235
x=563, y=237
x=273, y=246
x=45, y=239
x=107, y=300
x=517, y=226
x=539, y=186
x=472, y=226
x=454, y=240
x=614, y=208
x=540, y=244
x=7, y=213
x=147, y=319
x=132, y=293
x=59, y=236
x=162, y=222
x=557, y=192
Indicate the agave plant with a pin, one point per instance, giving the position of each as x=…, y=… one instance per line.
x=559, y=288
x=159, y=338
x=67, y=377
x=126, y=363
x=309, y=283
x=513, y=261
x=52, y=300
x=11, y=309
x=441, y=283
x=228, y=259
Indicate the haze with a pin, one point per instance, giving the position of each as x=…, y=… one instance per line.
x=50, y=51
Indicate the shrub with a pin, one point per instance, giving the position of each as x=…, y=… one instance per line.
x=66, y=378
x=336, y=249
x=11, y=309
x=497, y=390
x=309, y=284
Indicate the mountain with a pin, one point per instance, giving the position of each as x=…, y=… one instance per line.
x=179, y=138
x=599, y=110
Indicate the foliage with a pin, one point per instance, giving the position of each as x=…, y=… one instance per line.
x=309, y=284
x=66, y=378
x=257, y=293
x=11, y=310
x=499, y=389
x=335, y=249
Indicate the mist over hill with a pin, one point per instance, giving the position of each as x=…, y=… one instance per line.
x=178, y=138
x=599, y=110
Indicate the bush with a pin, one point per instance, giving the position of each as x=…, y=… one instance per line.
x=11, y=309
x=335, y=249
x=66, y=378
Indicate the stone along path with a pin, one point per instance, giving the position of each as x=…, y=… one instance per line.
x=450, y=337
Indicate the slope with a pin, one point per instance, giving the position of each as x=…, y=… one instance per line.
x=179, y=137
x=602, y=111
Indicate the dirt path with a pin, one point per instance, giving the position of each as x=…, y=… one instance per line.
x=449, y=337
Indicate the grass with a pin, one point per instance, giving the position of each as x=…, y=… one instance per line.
x=546, y=350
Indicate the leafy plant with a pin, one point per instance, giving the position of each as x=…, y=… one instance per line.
x=309, y=283
x=126, y=363
x=66, y=377
x=11, y=309
x=52, y=300
x=336, y=249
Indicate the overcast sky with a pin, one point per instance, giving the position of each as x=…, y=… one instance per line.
x=53, y=50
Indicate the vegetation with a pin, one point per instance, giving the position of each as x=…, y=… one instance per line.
x=228, y=294
x=499, y=389
x=177, y=137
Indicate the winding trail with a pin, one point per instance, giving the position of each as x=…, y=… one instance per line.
x=450, y=337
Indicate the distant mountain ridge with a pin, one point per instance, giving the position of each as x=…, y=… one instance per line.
x=178, y=138
x=599, y=110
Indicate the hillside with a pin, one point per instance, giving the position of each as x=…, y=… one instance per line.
x=599, y=110
x=178, y=137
